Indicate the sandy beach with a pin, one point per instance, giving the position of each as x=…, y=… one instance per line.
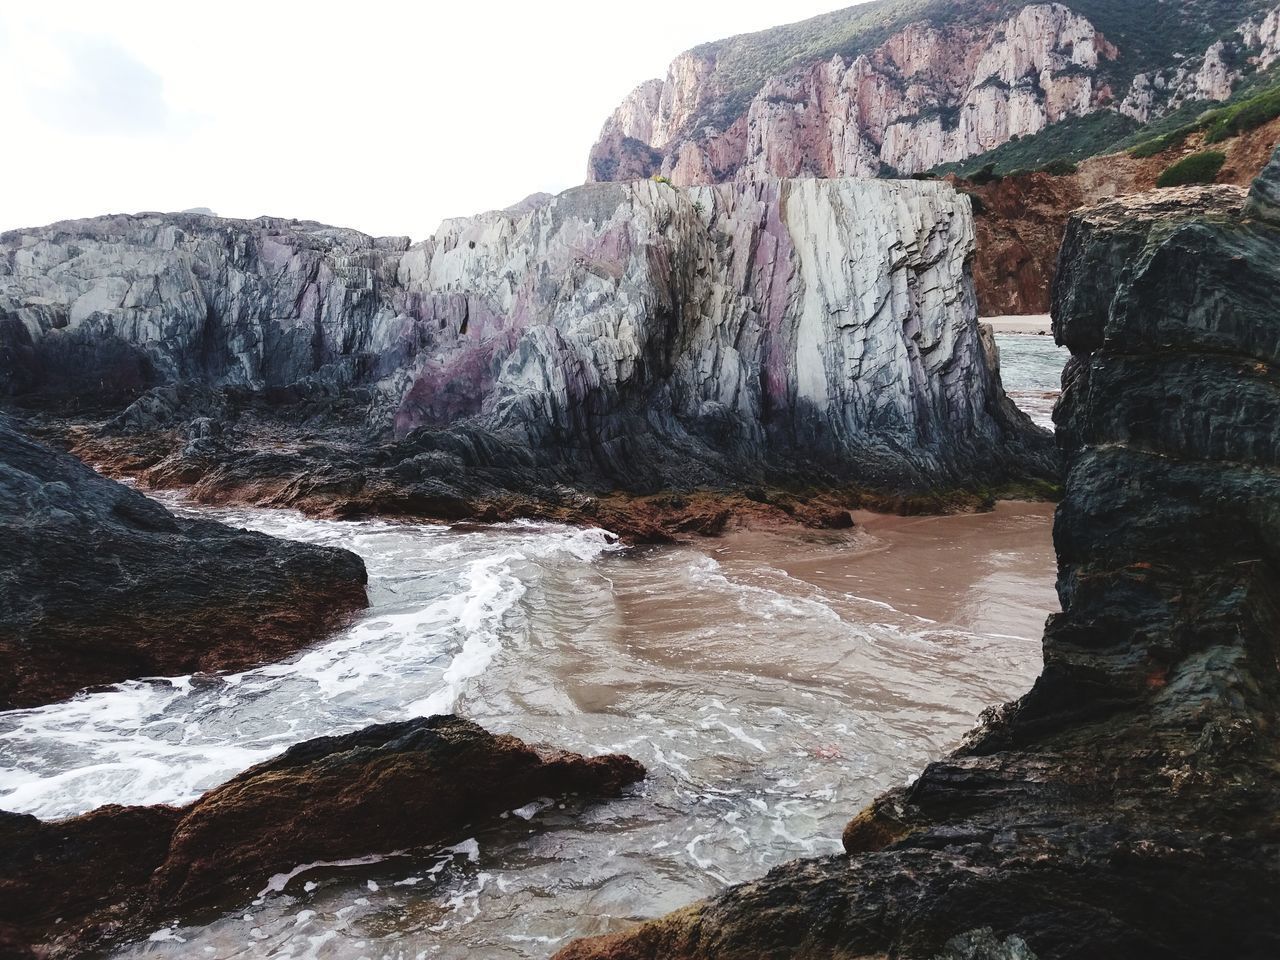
x=1035, y=324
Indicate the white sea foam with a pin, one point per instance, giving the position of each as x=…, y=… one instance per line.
x=444, y=605
x=279, y=881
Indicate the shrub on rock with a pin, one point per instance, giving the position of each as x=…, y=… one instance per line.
x=1196, y=168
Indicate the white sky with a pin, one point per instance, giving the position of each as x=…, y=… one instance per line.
x=382, y=116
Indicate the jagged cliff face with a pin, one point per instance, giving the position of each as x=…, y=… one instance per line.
x=636, y=333
x=946, y=84
x=114, y=304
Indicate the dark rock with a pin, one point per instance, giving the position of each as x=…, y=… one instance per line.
x=117, y=871
x=99, y=584
x=1129, y=804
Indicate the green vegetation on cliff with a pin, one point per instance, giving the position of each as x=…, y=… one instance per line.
x=1196, y=168
x=1065, y=142
x=1256, y=102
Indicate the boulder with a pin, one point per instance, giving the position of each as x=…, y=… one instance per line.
x=75, y=885
x=100, y=584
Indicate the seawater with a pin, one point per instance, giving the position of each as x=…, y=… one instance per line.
x=1031, y=369
x=771, y=683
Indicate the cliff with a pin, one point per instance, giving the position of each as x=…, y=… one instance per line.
x=902, y=86
x=619, y=336
x=101, y=584
x=1128, y=804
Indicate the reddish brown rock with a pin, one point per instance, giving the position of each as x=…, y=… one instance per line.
x=1020, y=219
x=69, y=885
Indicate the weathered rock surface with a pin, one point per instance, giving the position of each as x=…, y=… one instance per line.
x=630, y=337
x=70, y=885
x=1253, y=44
x=1129, y=804
x=99, y=584
x=905, y=86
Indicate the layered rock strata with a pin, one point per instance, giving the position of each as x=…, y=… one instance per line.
x=930, y=94
x=101, y=584
x=631, y=337
x=1129, y=804
x=72, y=885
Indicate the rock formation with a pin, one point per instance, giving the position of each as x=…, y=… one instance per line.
x=620, y=336
x=101, y=584
x=905, y=86
x=71, y=885
x=1129, y=804
x=1254, y=44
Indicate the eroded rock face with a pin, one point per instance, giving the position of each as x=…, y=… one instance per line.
x=1254, y=44
x=70, y=885
x=101, y=584
x=1128, y=805
x=631, y=336
x=108, y=306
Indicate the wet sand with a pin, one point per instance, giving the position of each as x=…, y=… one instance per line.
x=1034, y=323
x=988, y=573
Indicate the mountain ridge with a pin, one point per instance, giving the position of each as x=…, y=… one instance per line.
x=901, y=86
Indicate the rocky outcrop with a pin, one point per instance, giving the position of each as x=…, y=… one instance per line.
x=70, y=886
x=1128, y=804
x=1253, y=45
x=104, y=308
x=101, y=584
x=620, y=336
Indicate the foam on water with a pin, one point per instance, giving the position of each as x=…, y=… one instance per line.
x=443, y=605
x=767, y=707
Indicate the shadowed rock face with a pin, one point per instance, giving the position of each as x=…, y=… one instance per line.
x=119, y=871
x=619, y=336
x=1129, y=804
x=100, y=584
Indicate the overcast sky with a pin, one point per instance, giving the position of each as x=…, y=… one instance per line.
x=386, y=117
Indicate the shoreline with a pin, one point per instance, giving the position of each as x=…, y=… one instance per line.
x=1032, y=324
